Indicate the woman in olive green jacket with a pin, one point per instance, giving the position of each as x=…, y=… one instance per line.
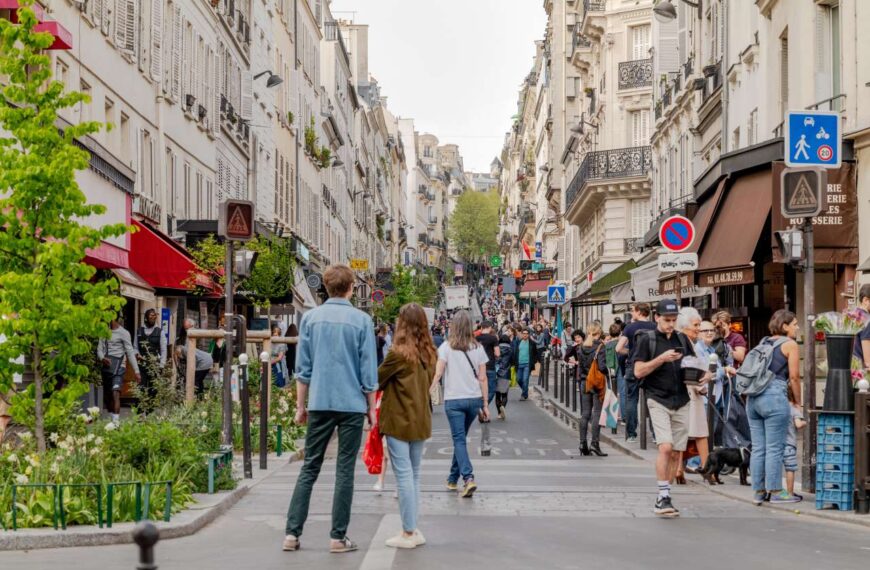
x=405, y=376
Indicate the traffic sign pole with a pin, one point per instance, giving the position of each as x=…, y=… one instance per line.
x=808, y=474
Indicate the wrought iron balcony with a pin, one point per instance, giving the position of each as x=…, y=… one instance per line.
x=578, y=40
x=593, y=5
x=635, y=74
x=604, y=164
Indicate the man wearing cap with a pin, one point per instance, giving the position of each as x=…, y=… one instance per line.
x=657, y=364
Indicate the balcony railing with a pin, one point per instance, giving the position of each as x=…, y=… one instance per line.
x=578, y=40
x=593, y=5
x=630, y=246
x=604, y=164
x=433, y=220
x=635, y=74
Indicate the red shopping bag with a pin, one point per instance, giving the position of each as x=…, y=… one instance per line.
x=373, y=453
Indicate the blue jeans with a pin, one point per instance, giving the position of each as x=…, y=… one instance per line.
x=629, y=411
x=405, y=457
x=523, y=371
x=769, y=415
x=491, y=383
x=460, y=415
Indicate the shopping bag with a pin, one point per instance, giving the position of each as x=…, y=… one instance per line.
x=514, y=376
x=485, y=446
x=609, y=409
x=373, y=453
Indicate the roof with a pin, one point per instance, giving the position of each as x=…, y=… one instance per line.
x=535, y=286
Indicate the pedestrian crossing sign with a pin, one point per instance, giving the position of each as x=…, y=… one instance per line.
x=556, y=295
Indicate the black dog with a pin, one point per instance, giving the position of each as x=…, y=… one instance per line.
x=733, y=457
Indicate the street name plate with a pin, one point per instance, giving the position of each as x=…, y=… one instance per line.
x=678, y=262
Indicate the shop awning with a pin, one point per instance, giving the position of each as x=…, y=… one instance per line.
x=646, y=287
x=133, y=286
x=621, y=297
x=163, y=263
x=602, y=287
x=535, y=286
x=301, y=291
x=865, y=266
x=734, y=232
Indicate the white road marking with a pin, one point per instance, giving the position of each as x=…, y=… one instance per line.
x=379, y=556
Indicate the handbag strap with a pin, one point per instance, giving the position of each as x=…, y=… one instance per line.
x=473, y=371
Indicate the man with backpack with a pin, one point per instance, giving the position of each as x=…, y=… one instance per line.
x=657, y=363
x=640, y=314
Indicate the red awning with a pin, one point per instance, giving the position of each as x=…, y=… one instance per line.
x=15, y=4
x=163, y=263
x=62, y=37
x=535, y=286
x=108, y=256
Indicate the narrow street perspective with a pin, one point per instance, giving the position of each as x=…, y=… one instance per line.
x=394, y=284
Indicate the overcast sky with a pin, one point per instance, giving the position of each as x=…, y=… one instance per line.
x=452, y=65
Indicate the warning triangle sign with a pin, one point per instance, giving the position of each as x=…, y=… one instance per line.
x=803, y=196
x=555, y=296
x=237, y=224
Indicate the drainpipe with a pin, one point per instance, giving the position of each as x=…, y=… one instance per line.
x=724, y=64
x=299, y=126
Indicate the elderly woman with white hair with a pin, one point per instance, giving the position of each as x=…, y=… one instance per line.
x=689, y=323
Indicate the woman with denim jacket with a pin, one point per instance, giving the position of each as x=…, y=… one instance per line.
x=769, y=412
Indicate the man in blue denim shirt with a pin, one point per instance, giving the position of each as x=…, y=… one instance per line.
x=337, y=364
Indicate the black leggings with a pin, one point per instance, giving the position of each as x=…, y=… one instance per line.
x=590, y=406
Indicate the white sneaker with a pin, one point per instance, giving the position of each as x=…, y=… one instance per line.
x=419, y=538
x=395, y=494
x=402, y=541
x=378, y=487
x=291, y=543
x=116, y=419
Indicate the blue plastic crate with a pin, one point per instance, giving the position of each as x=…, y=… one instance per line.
x=835, y=420
x=836, y=447
x=836, y=457
x=843, y=431
x=832, y=476
x=836, y=437
x=834, y=499
x=835, y=468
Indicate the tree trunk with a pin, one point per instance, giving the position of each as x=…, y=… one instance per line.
x=37, y=399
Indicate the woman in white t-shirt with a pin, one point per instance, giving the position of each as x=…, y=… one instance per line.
x=462, y=365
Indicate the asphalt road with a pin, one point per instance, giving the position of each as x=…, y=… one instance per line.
x=539, y=506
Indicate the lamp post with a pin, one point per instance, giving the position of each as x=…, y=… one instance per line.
x=264, y=397
x=665, y=11
x=246, y=415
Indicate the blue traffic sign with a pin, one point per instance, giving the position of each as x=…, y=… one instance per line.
x=813, y=138
x=677, y=233
x=556, y=294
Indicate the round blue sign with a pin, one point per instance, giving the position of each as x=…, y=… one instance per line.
x=677, y=234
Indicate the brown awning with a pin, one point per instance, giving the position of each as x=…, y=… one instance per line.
x=701, y=220
x=727, y=251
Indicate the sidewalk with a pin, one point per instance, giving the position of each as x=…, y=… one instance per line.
x=731, y=487
x=206, y=509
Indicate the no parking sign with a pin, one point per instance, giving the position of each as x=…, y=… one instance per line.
x=677, y=234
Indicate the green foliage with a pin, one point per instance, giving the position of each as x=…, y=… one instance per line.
x=271, y=278
x=409, y=285
x=290, y=117
x=473, y=226
x=311, y=139
x=44, y=284
x=324, y=157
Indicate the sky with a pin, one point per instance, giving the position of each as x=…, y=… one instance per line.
x=454, y=66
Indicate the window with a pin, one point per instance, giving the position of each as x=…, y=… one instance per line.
x=60, y=71
x=828, y=73
x=640, y=42
x=752, y=127
x=200, y=198
x=126, y=155
x=735, y=139
x=85, y=106
x=783, y=73
x=188, y=206
x=640, y=128
x=640, y=218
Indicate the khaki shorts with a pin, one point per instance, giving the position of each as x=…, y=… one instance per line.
x=671, y=426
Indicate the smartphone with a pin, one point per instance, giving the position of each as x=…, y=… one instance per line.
x=678, y=350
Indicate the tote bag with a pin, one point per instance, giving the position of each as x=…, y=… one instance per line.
x=609, y=409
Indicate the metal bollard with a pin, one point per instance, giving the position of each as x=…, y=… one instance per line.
x=146, y=536
x=246, y=416
x=574, y=390
x=556, y=381
x=264, y=412
x=642, y=420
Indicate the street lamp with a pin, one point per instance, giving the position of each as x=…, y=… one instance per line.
x=337, y=162
x=273, y=81
x=665, y=11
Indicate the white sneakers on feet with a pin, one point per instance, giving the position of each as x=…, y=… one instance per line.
x=402, y=541
x=291, y=543
x=419, y=538
x=378, y=487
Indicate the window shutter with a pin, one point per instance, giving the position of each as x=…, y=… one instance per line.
x=667, y=54
x=640, y=42
x=157, y=40
x=246, y=109
x=177, y=36
x=152, y=168
x=106, y=10
x=131, y=23
x=193, y=60
x=783, y=74
x=187, y=61
x=121, y=24
x=216, y=104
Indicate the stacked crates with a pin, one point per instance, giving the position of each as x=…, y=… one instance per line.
x=835, y=462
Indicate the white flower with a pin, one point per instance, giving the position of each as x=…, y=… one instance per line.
x=110, y=426
x=84, y=417
x=25, y=435
x=90, y=437
x=53, y=437
x=22, y=479
x=203, y=414
x=55, y=468
x=12, y=458
x=94, y=411
x=98, y=441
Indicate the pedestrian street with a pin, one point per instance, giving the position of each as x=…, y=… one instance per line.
x=539, y=505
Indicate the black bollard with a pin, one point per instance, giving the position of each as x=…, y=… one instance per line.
x=246, y=419
x=146, y=536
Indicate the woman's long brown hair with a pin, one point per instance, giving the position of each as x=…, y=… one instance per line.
x=412, y=339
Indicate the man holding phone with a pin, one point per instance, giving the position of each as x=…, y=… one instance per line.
x=658, y=357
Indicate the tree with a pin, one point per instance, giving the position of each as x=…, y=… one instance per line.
x=473, y=227
x=409, y=285
x=49, y=306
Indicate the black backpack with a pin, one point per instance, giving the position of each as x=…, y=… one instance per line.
x=653, y=345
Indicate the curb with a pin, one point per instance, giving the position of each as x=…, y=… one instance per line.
x=566, y=416
x=188, y=522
